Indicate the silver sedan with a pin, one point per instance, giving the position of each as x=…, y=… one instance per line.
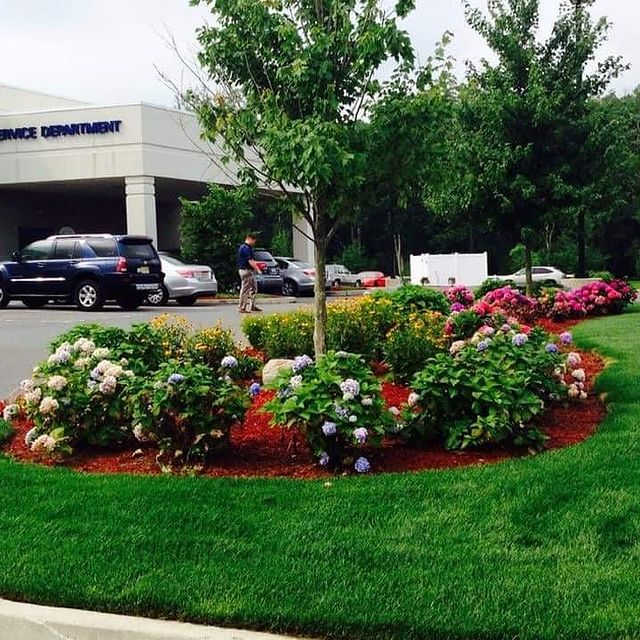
x=184, y=283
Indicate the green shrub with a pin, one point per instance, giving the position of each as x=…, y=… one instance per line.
x=209, y=345
x=186, y=409
x=413, y=341
x=255, y=329
x=491, y=284
x=360, y=326
x=606, y=276
x=488, y=392
x=6, y=430
x=413, y=297
x=464, y=324
x=337, y=404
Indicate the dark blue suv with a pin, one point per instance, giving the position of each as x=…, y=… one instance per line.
x=86, y=270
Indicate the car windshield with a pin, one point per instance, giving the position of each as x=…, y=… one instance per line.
x=138, y=250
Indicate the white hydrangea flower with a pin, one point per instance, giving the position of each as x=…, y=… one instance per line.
x=457, y=346
x=579, y=375
x=81, y=363
x=140, y=434
x=44, y=444
x=33, y=397
x=57, y=383
x=353, y=418
x=108, y=385
x=48, y=405
x=295, y=381
x=10, y=412
x=101, y=353
x=27, y=385
x=367, y=401
x=413, y=399
x=394, y=411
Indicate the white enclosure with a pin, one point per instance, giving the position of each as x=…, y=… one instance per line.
x=469, y=269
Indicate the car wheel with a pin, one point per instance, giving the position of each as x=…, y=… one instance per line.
x=550, y=283
x=289, y=288
x=4, y=296
x=34, y=303
x=186, y=301
x=158, y=298
x=358, y=283
x=87, y=296
x=336, y=284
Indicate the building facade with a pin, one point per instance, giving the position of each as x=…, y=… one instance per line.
x=71, y=167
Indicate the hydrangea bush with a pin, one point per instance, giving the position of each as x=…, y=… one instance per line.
x=186, y=409
x=460, y=297
x=489, y=389
x=337, y=404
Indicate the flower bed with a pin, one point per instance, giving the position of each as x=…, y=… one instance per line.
x=256, y=446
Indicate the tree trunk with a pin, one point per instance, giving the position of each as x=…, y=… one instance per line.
x=320, y=302
x=582, y=244
x=528, y=268
x=397, y=249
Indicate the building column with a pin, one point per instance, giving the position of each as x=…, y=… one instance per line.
x=303, y=247
x=141, y=206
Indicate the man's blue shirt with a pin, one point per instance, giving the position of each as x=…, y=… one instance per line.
x=245, y=253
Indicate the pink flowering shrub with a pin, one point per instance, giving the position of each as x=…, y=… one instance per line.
x=593, y=299
x=512, y=303
x=460, y=297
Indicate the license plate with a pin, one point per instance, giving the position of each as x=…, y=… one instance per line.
x=147, y=287
x=143, y=269
x=204, y=276
x=273, y=271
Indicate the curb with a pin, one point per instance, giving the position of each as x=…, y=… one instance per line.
x=19, y=621
x=215, y=302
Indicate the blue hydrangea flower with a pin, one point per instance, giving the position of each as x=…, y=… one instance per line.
x=229, y=362
x=329, y=428
x=483, y=345
x=175, y=378
x=254, y=389
x=350, y=387
x=301, y=362
x=520, y=339
x=361, y=435
x=341, y=412
x=566, y=337
x=552, y=348
x=323, y=459
x=362, y=465
x=284, y=393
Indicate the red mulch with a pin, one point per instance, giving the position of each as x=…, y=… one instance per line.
x=257, y=449
x=557, y=326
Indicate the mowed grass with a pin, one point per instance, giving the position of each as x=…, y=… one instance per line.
x=547, y=547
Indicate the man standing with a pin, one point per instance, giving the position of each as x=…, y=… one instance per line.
x=247, y=267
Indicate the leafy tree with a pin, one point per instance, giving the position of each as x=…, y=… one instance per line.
x=213, y=227
x=521, y=121
x=292, y=84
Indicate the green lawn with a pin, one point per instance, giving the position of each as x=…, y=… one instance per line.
x=547, y=547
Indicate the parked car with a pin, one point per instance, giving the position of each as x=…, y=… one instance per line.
x=545, y=275
x=184, y=283
x=270, y=279
x=370, y=279
x=86, y=270
x=297, y=276
x=339, y=276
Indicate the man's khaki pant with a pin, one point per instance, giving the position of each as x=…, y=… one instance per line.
x=248, y=290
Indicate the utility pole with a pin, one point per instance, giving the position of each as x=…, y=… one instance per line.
x=581, y=234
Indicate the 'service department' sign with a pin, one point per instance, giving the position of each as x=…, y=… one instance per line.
x=61, y=130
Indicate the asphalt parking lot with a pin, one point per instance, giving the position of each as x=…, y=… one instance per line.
x=26, y=333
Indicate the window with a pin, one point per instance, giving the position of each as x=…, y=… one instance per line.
x=103, y=247
x=539, y=270
x=65, y=249
x=261, y=254
x=40, y=250
x=142, y=251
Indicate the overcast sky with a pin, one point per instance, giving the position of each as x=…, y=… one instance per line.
x=107, y=52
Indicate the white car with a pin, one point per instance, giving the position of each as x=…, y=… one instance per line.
x=338, y=276
x=184, y=283
x=545, y=275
